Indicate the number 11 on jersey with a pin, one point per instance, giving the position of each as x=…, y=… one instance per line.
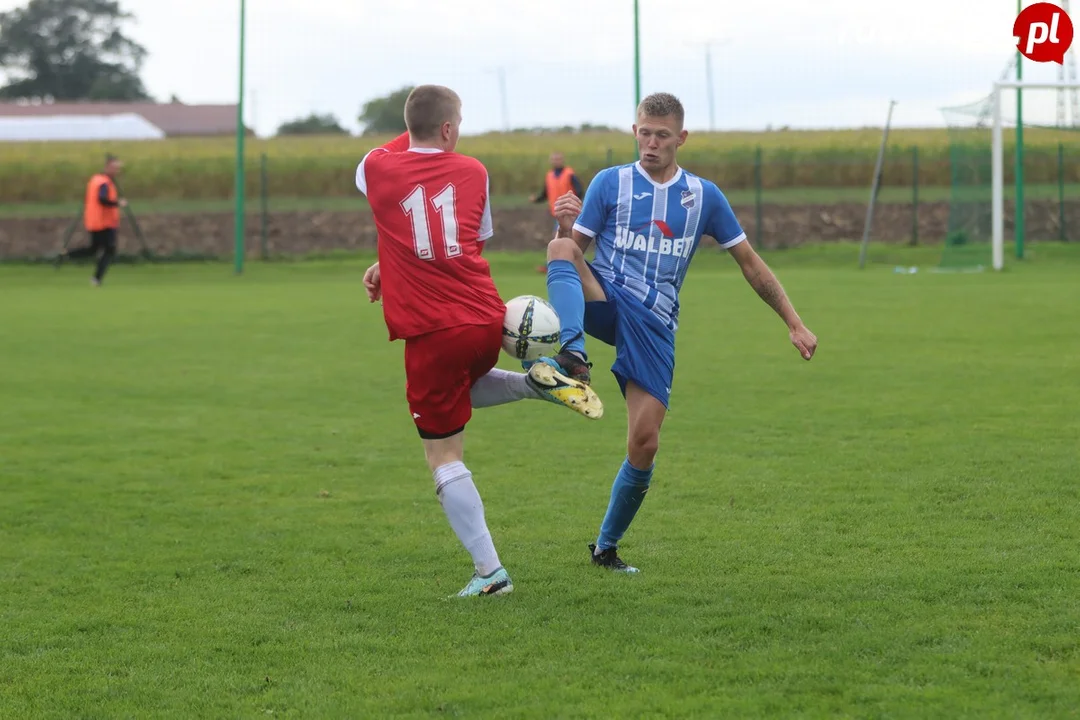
x=415, y=206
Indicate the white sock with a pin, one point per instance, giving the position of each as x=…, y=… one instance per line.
x=465, y=511
x=499, y=387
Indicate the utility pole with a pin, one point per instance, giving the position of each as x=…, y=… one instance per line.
x=502, y=92
x=500, y=72
x=710, y=89
x=709, y=84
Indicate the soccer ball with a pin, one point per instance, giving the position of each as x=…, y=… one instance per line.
x=530, y=328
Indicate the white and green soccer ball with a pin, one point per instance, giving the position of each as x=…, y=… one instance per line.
x=530, y=328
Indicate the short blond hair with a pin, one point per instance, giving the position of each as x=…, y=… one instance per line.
x=428, y=107
x=660, y=105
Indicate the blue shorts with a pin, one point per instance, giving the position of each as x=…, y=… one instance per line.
x=644, y=344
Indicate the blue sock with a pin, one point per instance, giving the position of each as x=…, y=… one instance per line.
x=568, y=299
x=627, y=494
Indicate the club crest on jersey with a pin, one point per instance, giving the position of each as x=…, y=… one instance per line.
x=687, y=200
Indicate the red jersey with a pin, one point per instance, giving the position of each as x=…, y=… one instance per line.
x=433, y=213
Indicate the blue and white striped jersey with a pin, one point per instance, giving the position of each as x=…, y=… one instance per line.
x=647, y=233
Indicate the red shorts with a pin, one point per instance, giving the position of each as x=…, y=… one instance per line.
x=440, y=369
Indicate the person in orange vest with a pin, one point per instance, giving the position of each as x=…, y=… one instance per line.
x=558, y=181
x=101, y=217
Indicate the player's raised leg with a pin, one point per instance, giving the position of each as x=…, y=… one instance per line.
x=541, y=382
x=645, y=415
x=499, y=387
x=570, y=283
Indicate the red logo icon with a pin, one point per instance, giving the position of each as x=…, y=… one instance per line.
x=1043, y=33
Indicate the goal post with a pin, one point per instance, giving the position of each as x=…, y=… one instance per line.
x=997, y=151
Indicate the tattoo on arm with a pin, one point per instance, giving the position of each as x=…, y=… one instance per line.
x=769, y=289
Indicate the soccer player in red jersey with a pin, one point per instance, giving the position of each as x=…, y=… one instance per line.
x=433, y=215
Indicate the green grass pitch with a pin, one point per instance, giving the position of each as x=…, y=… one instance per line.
x=215, y=505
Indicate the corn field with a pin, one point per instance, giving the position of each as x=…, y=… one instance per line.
x=320, y=167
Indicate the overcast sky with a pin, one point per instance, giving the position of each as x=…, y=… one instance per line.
x=820, y=63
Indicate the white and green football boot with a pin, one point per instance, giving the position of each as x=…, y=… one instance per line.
x=551, y=385
x=497, y=583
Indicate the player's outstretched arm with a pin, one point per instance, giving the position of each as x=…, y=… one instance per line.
x=767, y=286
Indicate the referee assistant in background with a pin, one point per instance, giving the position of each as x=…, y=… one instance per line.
x=101, y=217
x=558, y=181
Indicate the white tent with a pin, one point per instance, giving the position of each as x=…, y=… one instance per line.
x=124, y=126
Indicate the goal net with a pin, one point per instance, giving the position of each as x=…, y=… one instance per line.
x=1015, y=181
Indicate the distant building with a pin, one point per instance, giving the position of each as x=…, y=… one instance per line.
x=24, y=121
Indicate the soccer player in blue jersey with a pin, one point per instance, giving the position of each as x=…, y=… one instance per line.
x=647, y=219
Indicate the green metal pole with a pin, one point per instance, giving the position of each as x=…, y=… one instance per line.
x=1019, y=150
x=264, y=202
x=637, y=58
x=915, y=195
x=238, y=221
x=637, y=68
x=1061, y=192
x=757, y=198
